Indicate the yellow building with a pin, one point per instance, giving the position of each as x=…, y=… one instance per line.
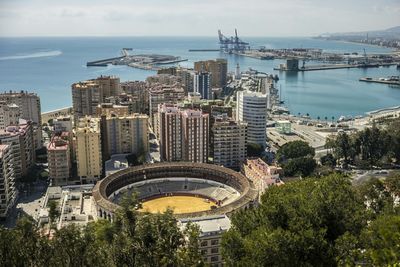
x=88, y=150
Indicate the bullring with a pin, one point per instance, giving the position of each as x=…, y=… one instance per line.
x=239, y=191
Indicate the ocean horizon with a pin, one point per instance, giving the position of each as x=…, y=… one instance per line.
x=49, y=65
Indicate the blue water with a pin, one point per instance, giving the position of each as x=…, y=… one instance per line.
x=49, y=66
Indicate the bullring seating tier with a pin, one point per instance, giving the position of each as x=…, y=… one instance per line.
x=188, y=186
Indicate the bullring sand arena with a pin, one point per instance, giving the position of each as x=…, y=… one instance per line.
x=189, y=189
x=179, y=204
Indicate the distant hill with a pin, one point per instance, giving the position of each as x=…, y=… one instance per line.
x=391, y=33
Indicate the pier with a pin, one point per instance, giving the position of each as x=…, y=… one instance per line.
x=103, y=62
x=204, y=50
x=147, y=62
x=293, y=65
x=394, y=80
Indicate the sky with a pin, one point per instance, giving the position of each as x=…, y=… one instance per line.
x=194, y=17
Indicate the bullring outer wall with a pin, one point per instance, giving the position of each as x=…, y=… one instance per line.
x=115, y=181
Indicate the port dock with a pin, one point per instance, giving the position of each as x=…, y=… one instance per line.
x=147, y=62
x=204, y=50
x=393, y=80
x=103, y=62
x=293, y=65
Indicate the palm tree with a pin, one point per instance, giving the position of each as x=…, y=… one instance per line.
x=318, y=118
x=326, y=119
x=333, y=118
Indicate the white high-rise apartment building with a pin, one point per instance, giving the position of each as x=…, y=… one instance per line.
x=251, y=107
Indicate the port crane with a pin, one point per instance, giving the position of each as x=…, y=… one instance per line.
x=232, y=44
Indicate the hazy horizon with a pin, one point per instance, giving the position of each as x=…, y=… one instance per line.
x=179, y=18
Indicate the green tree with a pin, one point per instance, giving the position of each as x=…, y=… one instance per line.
x=328, y=160
x=297, y=224
x=296, y=158
x=303, y=166
x=381, y=239
x=393, y=131
x=373, y=144
x=54, y=213
x=294, y=149
x=254, y=150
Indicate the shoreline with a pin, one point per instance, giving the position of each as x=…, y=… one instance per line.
x=393, y=50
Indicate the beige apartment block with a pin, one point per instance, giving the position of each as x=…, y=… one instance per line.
x=88, y=150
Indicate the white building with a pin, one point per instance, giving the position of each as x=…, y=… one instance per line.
x=251, y=107
x=211, y=230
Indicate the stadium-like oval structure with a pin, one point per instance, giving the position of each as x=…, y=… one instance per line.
x=223, y=189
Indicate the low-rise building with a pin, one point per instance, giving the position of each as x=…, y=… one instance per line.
x=211, y=230
x=62, y=124
x=8, y=190
x=283, y=127
x=75, y=204
x=262, y=174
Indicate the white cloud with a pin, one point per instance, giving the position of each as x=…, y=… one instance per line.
x=188, y=17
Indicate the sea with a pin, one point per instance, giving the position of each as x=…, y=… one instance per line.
x=48, y=66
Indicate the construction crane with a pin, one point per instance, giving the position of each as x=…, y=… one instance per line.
x=232, y=44
x=365, y=57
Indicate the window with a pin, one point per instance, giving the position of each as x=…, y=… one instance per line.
x=214, y=258
x=214, y=242
x=203, y=243
x=214, y=250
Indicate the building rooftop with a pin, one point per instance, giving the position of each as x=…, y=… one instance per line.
x=15, y=130
x=17, y=93
x=59, y=142
x=209, y=225
x=85, y=85
x=116, y=163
